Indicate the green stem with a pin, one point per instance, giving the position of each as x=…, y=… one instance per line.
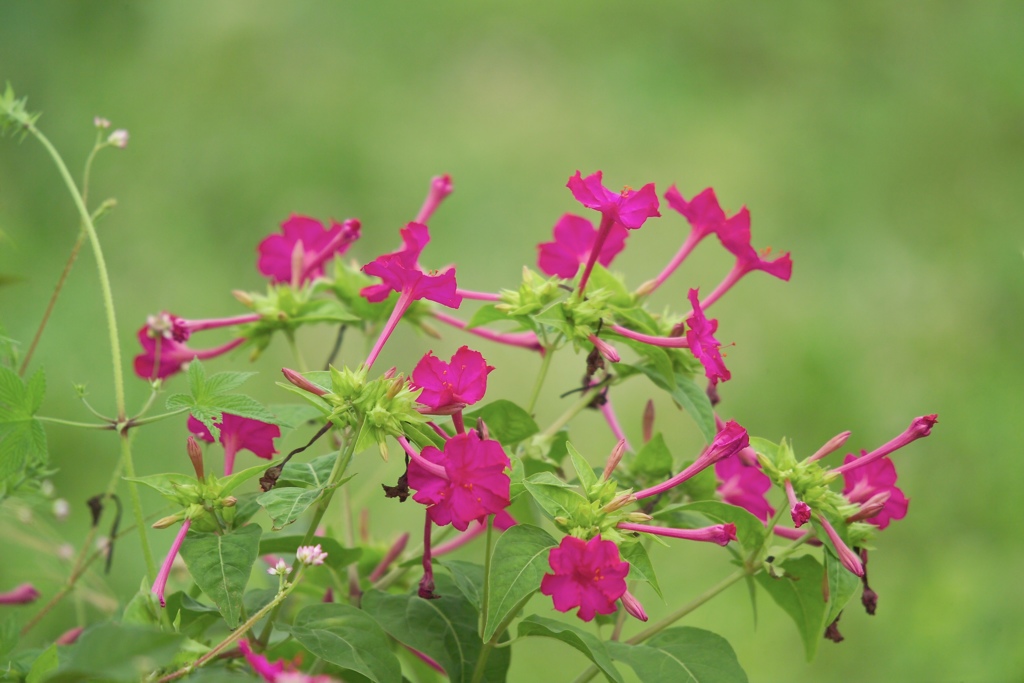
x=485, y=652
x=69, y=423
x=541, y=375
x=135, y=422
x=133, y=492
x=573, y=411
x=487, y=576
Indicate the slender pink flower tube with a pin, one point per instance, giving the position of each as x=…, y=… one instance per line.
x=162, y=357
x=165, y=570
x=798, y=510
x=726, y=443
x=390, y=556
x=426, y=659
x=440, y=187
x=846, y=556
x=794, y=534
x=478, y=296
x=526, y=340
x=718, y=533
x=668, y=342
x=303, y=383
x=21, y=595
x=70, y=636
x=920, y=427
x=502, y=520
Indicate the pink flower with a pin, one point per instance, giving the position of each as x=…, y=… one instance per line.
x=744, y=486
x=633, y=606
x=162, y=357
x=730, y=440
x=238, y=433
x=587, y=574
x=440, y=187
x=847, y=557
x=574, y=238
x=458, y=383
x=401, y=272
x=919, y=427
x=298, y=254
x=160, y=584
x=735, y=236
x=705, y=217
x=705, y=348
x=169, y=326
x=718, y=533
x=463, y=483
x=277, y=672
x=502, y=520
x=798, y=510
x=872, y=483
x=628, y=208
x=22, y=595
x=310, y=555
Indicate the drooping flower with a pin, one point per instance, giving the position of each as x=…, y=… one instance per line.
x=874, y=487
x=310, y=555
x=574, y=238
x=847, y=557
x=160, y=584
x=744, y=486
x=456, y=384
x=400, y=272
x=238, y=433
x=629, y=208
x=705, y=216
x=21, y=595
x=798, y=510
x=298, y=254
x=463, y=483
x=700, y=336
x=731, y=439
x=162, y=357
x=735, y=236
x=589, y=575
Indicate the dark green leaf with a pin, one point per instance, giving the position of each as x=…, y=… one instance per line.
x=294, y=415
x=444, y=629
x=654, y=461
x=555, y=497
x=286, y=504
x=469, y=578
x=585, y=642
x=113, y=652
x=682, y=655
x=337, y=555
x=798, y=593
x=518, y=564
x=221, y=564
x=347, y=637
x=584, y=470
x=641, y=567
x=192, y=617
x=507, y=422
x=142, y=609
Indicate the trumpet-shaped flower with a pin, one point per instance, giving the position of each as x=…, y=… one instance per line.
x=21, y=595
x=705, y=217
x=298, y=254
x=744, y=486
x=574, y=239
x=162, y=357
x=730, y=440
x=735, y=236
x=238, y=433
x=700, y=336
x=463, y=483
x=875, y=481
x=456, y=384
x=589, y=575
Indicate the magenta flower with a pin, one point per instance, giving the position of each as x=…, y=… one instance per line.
x=162, y=357
x=735, y=236
x=238, y=433
x=703, y=345
x=276, y=672
x=169, y=326
x=400, y=272
x=730, y=440
x=629, y=208
x=919, y=427
x=874, y=485
x=463, y=483
x=453, y=385
x=440, y=187
x=717, y=533
x=589, y=575
x=21, y=595
x=574, y=238
x=299, y=253
x=847, y=557
x=798, y=510
x=705, y=217
x=744, y=486
x=160, y=584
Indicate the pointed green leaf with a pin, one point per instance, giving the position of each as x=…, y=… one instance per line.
x=640, y=566
x=347, y=637
x=842, y=586
x=584, y=470
x=518, y=563
x=682, y=655
x=591, y=646
x=654, y=461
x=798, y=593
x=444, y=629
x=338, y=556
x=221, y=564
x=507, y=422
x=313, y=474
x=44, y=664
x=167, y=484
x=223, y=382
x=286, y=504
x=115, y=653
x=485, y=314
x=468, y=577
x=555, y=497
x=22, y=437
x=243, y=406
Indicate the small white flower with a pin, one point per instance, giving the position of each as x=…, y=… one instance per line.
x=61, y=509
x=310, y=554
x=119, y=138
x=46, y=488
x=279, y=569
x=101, y=122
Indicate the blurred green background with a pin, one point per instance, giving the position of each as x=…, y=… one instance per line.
x=881, y=143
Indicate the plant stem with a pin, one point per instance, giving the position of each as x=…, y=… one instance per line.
x=69, y=423
x=133, y=492
x=541, y=375
x=487, y=576
x=485, y=652
x=135, y=422
x=573, y=410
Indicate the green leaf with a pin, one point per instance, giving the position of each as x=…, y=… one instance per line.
x=233, y=481
x=601, y=278
x=555, y=497
x=842, y=586
x=641, y=567
x=221, y=564
x=444, y=629
x=114, y=652
x=518, y=563
x=22, y=438
x=294, y=415
x=347, y=637
x=190, y=616
x=469, y=578
x=338, y=556
x=584, y=470
x=764, y=447
x=167, y=484
x=9, y=635
x=798, y=593
x=314, y=474
x=142, y=609
x=485, y=314
x=44, y=664
x=507, y=422
x=750, y=532
x=286, y=504
x=591, y=646
x=654, y=461
x=210, y=397
x=682, y=655
x=688, y=395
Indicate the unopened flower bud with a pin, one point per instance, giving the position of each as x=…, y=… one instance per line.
x=619, y=502
x=391, y=372
x=61, y=509
x=633, y=606
x=242, y=297
x=831, y=446
x=871, y=507
x=614, y=459
x=167, y=521
x=119, y=138
x=648, y=421
x=303, y=383
x=279, y=569
x=229, y=501
x=70, y=636
x=195, y=454
x=22, y=595
x=605, y=349
x=482, y=430
x=562, y=521
x=101, y=122
x=638, y=517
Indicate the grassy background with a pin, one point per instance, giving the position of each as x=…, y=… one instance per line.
x=882, y=144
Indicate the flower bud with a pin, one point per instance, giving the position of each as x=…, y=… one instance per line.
x=633, y=606
x=119, y=138
x=614, y=459
x=167, y=521
x=832, y=445
x=303, y=383
x=228, y=502
x=22, y=595
x=101, y=122
x=648, y=421
x=195, y=454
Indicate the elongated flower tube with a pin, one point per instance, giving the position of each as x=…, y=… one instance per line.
x=727, y=442
x=390, y=556
x=400, y=272
x=502, y=520
x=238, y=433
x=526, y=340
x=628, y=208
x=302, y=383
x=163, y=357
x=299, y=253
x=848, y=558
x=919, y=427
x=735, y=236
x=170, y=326
x=574, y=241
x=613, y=422
x=718, y=533
x=589, y=575
x=160, y=584
x=21, y=595
x=705, y=216
x=440, y=187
